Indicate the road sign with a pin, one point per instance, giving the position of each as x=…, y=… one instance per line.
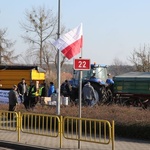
x=82, y=64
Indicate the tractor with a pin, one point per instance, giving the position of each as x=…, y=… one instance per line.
x=98, y=77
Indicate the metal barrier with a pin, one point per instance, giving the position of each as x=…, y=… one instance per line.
x=88, y=130
x=73, y=128
x=8, y=120
x=41, y=124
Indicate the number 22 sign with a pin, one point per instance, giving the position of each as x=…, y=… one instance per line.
x=82, y=64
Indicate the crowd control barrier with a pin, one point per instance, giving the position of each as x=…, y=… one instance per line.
x=71, y=128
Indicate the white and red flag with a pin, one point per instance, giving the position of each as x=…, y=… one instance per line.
x=70, y=43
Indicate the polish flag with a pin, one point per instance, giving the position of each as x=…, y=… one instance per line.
x=70, y=43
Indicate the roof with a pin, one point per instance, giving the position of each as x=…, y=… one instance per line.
x=134, y=75
x=98, y=65
x=21, y=67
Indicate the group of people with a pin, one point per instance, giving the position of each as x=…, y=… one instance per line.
x=88, y=92
x=29, y=95
x=65, y=89
x=15, y=93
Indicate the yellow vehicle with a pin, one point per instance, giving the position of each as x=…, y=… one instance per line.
x=10, y=75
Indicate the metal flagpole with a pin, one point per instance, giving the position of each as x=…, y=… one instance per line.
x=80, y=105
x=58, y=64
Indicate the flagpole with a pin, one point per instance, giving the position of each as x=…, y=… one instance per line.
x=58, y=63
x=80, y=104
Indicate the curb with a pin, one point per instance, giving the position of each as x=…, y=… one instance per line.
x=18, y=146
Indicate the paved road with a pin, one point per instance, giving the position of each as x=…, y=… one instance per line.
x=8, y=141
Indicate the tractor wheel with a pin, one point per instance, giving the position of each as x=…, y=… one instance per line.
x=99, y=92
x=109, y=97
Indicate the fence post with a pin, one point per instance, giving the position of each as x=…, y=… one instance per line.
x=19, y=125
x=61, y=128
x=113, y=135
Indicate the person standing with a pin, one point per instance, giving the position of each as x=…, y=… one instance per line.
x=51, y=89
x=42, y=90
x=30, y=102
x=22, y=90
x=65, y=89
x=13, y=98
x=109, y=80
x=88, y=93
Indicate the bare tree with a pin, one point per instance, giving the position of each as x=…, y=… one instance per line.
x=40, y=27
x=141, y=59
x=119, y=67
x=117, y=63
x=6, y=55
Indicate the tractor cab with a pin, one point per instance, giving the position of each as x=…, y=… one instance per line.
x=97, y=73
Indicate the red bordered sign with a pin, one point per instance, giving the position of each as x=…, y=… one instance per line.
x=82, y=64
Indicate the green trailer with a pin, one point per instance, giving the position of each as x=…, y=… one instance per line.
x=132, y=83
x=133, y=86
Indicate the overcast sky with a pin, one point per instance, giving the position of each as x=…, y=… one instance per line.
x=111, y=28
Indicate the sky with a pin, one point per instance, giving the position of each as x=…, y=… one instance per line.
x=112, y=29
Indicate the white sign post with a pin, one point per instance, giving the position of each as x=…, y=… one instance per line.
x=81, y=64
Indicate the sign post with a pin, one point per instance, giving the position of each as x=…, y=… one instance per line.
x=81, y=64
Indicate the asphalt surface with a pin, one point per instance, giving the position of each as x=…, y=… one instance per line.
x=8, y=141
